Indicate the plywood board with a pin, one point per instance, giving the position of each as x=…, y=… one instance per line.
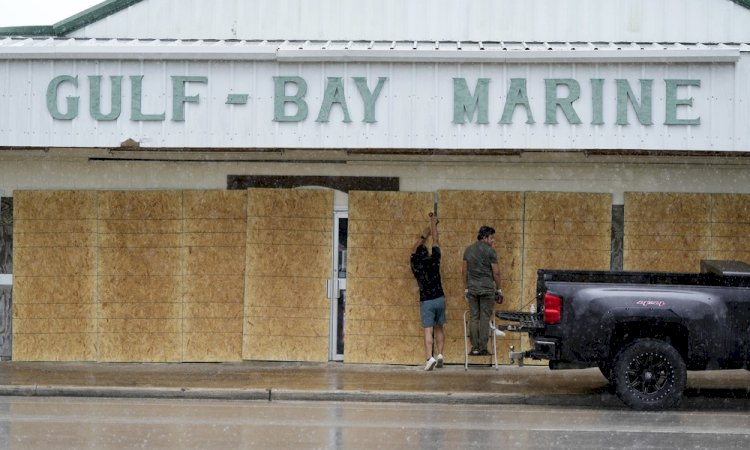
x=54, y=293
x=666, y=232
x=730, y=227
x=383, y=226
x=289, y=264
x=141, y=268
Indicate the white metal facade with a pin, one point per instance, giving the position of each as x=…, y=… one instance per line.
x=415, y=108
x=459, y=20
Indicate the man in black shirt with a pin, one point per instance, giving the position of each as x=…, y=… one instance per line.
x=426, y=269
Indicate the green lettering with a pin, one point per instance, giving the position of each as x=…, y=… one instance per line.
x=625, y=95
x=179, y=98
x=72, y=102
x=566, y=104
x=334, y=94
x=136, y=94
x=95, y=93
x=517, y=95
x=465, y=104
x=281, y=99
x=597, y=101
x=368, y=97
x=672, y=102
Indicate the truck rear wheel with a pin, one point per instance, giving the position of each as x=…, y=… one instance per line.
x=650, y=374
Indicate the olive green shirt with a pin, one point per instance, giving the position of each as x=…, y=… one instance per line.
x=479, y=258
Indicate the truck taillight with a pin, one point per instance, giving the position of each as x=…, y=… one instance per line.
x=552, y=308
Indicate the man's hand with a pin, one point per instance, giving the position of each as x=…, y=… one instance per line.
x=466, y=294
x=499, y=297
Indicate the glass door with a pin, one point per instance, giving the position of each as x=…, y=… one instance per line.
x=338, y=285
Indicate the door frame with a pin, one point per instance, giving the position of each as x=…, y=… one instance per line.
x=337, y=285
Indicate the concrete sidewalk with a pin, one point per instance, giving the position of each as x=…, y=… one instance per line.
x=279, y=381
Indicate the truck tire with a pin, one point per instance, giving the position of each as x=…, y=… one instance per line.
x=649, y=375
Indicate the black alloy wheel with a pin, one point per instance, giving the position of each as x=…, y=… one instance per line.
x=650, y=375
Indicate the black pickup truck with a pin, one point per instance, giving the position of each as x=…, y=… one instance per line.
x=643, y=330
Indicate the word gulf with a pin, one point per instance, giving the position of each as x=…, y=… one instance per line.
x=290, y=103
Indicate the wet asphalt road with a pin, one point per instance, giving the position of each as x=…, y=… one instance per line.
x=105, y=423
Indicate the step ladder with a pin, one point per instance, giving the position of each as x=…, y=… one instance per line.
x=492, y=337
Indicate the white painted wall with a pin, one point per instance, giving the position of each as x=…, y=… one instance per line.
x=481, y=20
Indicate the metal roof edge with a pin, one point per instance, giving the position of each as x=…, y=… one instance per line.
x=93, y=14
x=72, y=23
x=27, y=30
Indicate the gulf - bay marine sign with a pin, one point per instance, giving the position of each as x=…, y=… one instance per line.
x=356, y=105
x=467, y=107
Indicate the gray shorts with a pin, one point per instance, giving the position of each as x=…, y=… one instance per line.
x=432, y=312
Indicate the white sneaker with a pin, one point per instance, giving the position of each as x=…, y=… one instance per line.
x=439, y=361
x=430, y=364
x=498, y=332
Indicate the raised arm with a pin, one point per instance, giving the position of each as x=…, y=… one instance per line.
x=434, y=230
x=421, y=239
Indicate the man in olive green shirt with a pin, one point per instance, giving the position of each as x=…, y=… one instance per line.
x=481, y=276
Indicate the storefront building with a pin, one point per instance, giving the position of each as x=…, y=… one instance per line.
x=243, y=180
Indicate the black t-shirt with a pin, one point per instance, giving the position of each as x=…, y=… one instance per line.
x=427, y=273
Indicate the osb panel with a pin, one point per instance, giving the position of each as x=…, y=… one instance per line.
x=139, y=310
x=666, y=232
x=215, y=204
x=214, y=310
x=54, y=261
x=216, y=239
x=62, y=225
x=54, y=293
x=285, y=292
x=54, y=347
x=140, y=226
x=54, y=325
x=394, y=292
x=214, y=284
x=285, y=236
x=44, y=239
x=216, y=226
x=54, y=205
x=212, y=347
x=140, y=261
x=293, y=348
x=730, y=228
x=140, y=289
x=149, y=325
x=58, y=289
x=665, y=260
x=140, y=205
x=664, y=207
x=382, y=229
x=386, y=349
x=140, y=347
x=133, y=240
x=290, y=203
x=557, y=206
x=461, y=215
x=215, y=261
x=294, y=212
x=54, y=310
x=290, y=259
x=215, y=289
x=213, y=325
x=281, y=326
